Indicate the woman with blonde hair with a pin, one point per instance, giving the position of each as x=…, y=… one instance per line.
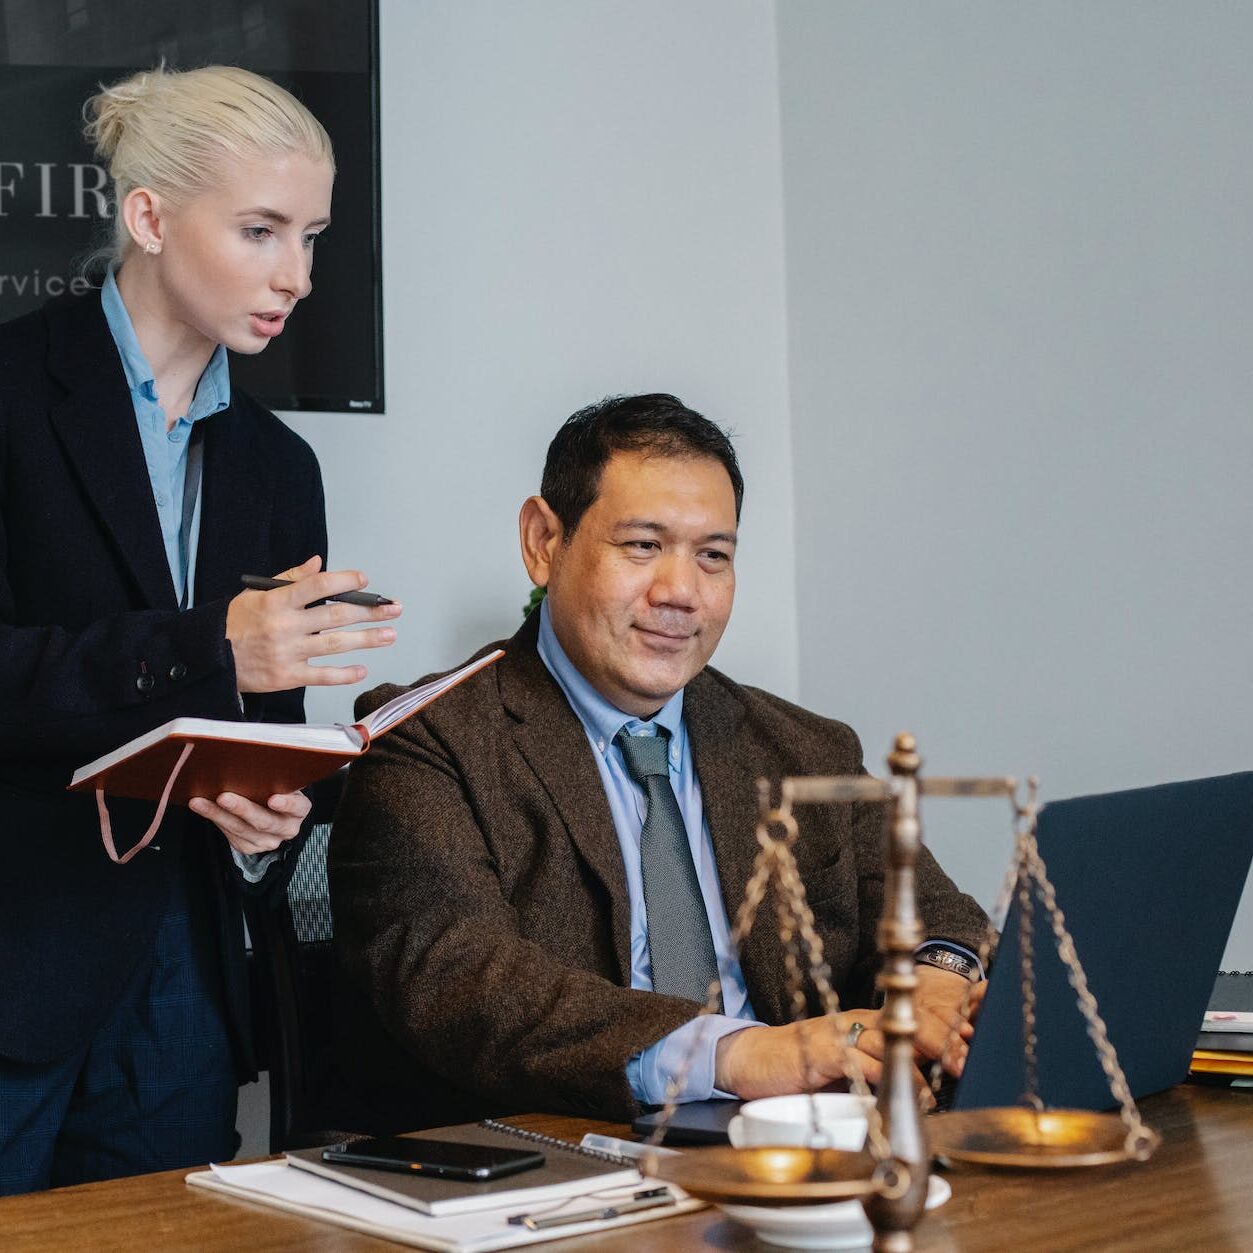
x=136, y=486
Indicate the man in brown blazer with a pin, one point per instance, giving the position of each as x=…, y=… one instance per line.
x=532, y=881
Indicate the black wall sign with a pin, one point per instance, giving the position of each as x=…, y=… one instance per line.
x=53, y=196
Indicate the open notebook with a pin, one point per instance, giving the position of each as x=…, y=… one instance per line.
x=202, y=757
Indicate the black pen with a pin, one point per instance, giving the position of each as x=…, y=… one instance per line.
x=371, y=600
x=652, y=1199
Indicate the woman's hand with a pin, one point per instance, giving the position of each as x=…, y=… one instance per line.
x=275, y=636
x=251, y=828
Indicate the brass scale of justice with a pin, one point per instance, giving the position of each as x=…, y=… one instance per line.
x=890, y=1174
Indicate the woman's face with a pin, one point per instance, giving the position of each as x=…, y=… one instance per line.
x=236, y=257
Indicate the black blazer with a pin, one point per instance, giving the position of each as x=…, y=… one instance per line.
x=94, y=651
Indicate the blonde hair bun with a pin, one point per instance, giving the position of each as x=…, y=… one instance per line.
x=171, y=130
x=106, y=114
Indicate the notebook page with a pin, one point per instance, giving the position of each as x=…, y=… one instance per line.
x=409, y=702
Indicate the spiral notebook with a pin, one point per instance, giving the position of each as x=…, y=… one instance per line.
x=568, y=1170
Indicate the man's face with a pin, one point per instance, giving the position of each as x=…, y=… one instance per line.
x=640, y=596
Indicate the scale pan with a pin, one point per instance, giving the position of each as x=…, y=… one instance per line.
x=768, y=1176
x=1017, y=1136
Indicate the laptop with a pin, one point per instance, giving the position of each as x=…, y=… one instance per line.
x=1149, y=881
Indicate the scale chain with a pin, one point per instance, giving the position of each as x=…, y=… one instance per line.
x=1139, y=1140
x=1027, y=876
x=1026, y=943
x=796, y=929
x=820, y=973
x=1022, y=813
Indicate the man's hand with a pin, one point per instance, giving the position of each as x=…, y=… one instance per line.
x=252, y=828
x=767, y=1061
x=770, y=1061
x=942, y=1033
x=274, y=636
x=939, y=998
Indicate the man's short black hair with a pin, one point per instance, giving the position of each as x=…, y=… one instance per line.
x=658, y=424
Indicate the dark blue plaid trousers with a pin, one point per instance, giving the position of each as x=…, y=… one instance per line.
x=153, y=1089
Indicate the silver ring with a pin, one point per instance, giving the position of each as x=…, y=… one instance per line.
x=854, y=1034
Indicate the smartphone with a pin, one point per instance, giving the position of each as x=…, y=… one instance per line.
x=443, y=1159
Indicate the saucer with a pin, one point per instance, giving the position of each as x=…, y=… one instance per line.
x=841, y=1225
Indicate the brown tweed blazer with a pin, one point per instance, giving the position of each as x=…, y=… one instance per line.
x=481, y=914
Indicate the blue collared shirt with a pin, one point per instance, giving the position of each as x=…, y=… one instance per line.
x=165, y=452
x=649, y=1073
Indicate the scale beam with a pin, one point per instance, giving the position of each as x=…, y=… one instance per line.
x=968, y=787
x=824, y=789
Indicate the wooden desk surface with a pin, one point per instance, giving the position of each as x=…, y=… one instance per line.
x=1196, y=1193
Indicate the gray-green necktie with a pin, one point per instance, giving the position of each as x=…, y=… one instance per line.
x=679, y=942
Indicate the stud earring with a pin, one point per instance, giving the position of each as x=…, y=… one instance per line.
x=152, y=247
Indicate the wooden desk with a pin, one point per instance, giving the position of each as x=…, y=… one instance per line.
x=1196, y=1193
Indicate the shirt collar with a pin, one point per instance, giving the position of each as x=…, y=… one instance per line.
x=213, y=391
x=602, y=719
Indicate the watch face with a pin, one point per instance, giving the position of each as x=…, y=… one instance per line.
x=946, y=960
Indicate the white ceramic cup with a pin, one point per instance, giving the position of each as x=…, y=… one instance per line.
x=841, y=1119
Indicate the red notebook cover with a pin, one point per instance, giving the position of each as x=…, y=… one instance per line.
x=225, y=758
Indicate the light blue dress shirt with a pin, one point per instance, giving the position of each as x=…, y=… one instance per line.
x=650, y=1072
x=165, y=452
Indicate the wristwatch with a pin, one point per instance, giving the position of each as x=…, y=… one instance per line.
x=945, y=958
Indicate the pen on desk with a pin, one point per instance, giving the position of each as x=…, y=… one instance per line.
x=624, y=1148
x=653, y=1198
x=371, y=600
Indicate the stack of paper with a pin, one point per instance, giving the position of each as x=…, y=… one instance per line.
x=300, y=1192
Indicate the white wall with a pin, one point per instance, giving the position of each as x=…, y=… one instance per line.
x=1015, y=304
x=580, y=197
x=1020, y=301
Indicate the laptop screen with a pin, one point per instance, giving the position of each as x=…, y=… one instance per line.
x=1149, y=882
